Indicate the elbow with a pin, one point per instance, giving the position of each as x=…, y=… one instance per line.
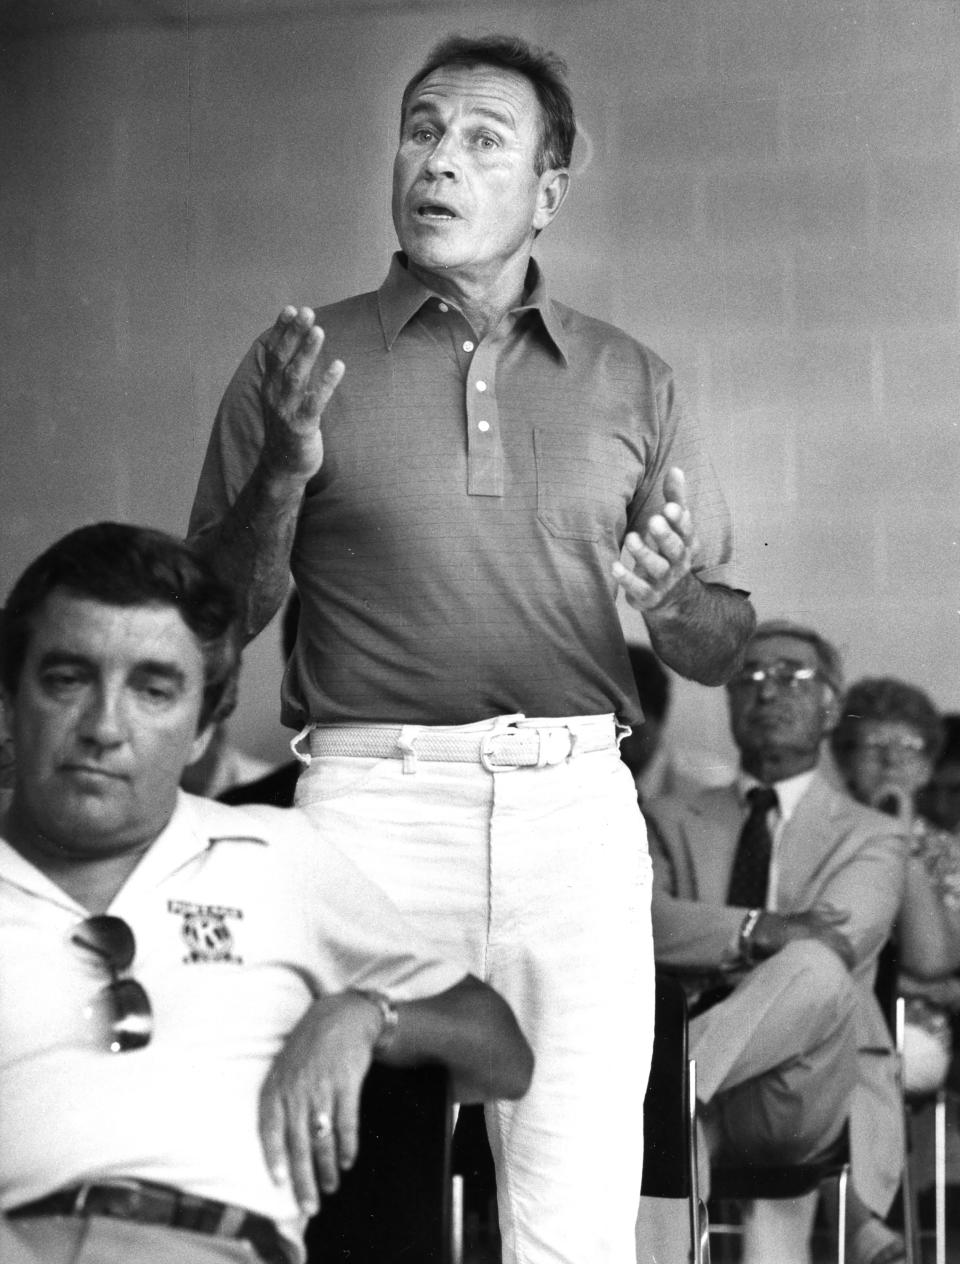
x=520, y=1071
x=510, y=1066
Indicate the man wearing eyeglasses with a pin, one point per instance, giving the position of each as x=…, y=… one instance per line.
x=190, y=994
x=772, y=899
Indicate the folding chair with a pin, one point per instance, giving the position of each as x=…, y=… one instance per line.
x=911, y=1216
x=669, y=1115
x=476, y=1225
x=738, y=1183
x=394, y=1206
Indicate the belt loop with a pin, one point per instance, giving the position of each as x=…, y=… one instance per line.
x=574, y=738
x=304, y=756
x=503, y=722
x=621, y=731
x=408, y=735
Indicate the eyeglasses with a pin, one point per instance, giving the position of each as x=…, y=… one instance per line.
x=906, y=746
x=131, y=1016
x=783, y=674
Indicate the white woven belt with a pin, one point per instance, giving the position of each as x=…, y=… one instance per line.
x=495, y=749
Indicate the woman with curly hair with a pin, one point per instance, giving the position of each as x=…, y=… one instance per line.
x=885, y=747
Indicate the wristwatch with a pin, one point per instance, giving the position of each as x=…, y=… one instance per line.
x=745, y=938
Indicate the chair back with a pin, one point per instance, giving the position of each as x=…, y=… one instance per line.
x=394, y=1206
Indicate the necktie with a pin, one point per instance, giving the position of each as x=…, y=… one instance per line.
x=751, y=865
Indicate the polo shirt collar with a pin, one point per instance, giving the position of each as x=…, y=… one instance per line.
x=17, y=871
x=401, y=296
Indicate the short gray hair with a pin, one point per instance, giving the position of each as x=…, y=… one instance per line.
x=828, y=656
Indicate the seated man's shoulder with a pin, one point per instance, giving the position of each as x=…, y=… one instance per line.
x=691, y=801
x=272, y=825
x=842, y=804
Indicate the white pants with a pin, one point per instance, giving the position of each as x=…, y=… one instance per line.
x=538, y=880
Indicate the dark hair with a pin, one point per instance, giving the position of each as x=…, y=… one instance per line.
x=653, y=684
x=124, y=565
x=828, y=656
x=545, y=71
x=884, y=698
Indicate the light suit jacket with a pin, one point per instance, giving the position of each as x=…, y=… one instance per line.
x=832, y=851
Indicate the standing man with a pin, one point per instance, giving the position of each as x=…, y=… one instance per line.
x=455, y=526
x=772, y=898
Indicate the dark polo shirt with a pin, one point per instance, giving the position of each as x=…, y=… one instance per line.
x=453, y=553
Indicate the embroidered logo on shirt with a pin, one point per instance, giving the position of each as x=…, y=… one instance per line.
x=205, y=930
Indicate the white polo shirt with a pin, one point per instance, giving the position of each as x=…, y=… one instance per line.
x=242, y=916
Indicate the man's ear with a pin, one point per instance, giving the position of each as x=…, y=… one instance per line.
x=553, y=189
x=831, y=710
x=201, y=742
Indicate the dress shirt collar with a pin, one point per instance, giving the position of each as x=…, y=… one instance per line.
x=789, y=791
x=401, y=296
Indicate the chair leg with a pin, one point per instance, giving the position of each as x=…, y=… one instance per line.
x=842, y=1183
x=911, y=1233
x=699, y=1223
x=907, y=1186
x=456, y=1221
x=940, y=1173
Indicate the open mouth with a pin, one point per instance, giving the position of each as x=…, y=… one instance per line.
x=434, y=211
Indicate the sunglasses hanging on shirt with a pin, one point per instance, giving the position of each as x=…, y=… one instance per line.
x=111, y=941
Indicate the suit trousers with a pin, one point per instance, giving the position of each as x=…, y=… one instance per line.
x=777, y=1060
x=538, y=881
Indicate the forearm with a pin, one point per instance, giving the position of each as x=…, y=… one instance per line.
x=701, y=630
x=929, y=931
x=472, y=1031
x=250, y=545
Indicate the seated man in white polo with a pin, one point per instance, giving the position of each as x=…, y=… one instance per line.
x=190, y=994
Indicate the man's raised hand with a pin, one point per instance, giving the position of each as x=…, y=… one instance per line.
x=293, y=401
x=662, y=559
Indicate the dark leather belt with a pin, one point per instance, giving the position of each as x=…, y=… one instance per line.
x=161, y=1205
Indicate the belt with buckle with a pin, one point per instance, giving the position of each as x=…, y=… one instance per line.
x=162, y=1205
x=496, y=749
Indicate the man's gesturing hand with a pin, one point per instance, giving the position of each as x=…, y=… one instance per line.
x=661, y=560
x=293, y=404
x=310, y=1101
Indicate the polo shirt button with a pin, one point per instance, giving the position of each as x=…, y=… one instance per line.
x=444, y=307
x=483, y=425
x=481, y=386
x=468, y=345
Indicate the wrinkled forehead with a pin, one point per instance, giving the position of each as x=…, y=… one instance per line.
x=767, y=650
x=478, y=90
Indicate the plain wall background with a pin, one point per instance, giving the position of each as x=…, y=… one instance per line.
x=768, y=193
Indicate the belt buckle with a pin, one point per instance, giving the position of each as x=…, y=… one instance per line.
x=487, y=752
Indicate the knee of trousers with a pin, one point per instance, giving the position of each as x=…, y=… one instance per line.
x=816, y=990
x=815, y=1088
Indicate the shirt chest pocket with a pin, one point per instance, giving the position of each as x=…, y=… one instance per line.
x=578, y=492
